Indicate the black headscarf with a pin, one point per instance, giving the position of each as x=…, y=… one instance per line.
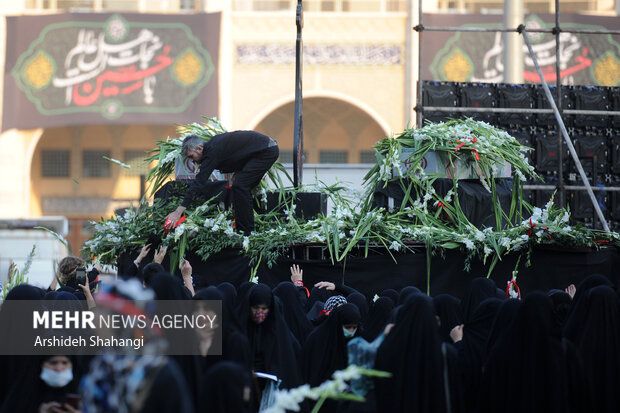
x=412, y=353
x=224, y=388
x=274, y=347
x=168, y=287
x=294, y=315
x=30, y=391
x=475, y=336
x=502, y=322
x=526, y=370
x=577, y=312
x=405, y=292
x=325, y=350
x=448, y=308
x=479, y=289
x=151, y=269
x=561, y=302
x=378, y=317
x=392, y=294
x=229, y=292
x=14, y=369
x=360, y=301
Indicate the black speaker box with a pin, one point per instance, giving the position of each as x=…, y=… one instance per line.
x=547, y=156
x=547, y=120
x=589, y=147
x=439, y=94
x=479, y=95
x=591, y=98
x=515, y=96
x=307, y=204
x=581, y=207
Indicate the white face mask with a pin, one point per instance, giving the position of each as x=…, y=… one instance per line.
x=347, y=333
x=55, y=378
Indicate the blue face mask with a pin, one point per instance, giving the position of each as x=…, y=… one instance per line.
x=55, y=378
x=347, y=333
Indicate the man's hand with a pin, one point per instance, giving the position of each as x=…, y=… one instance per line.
x=571, y=290
x=173, y=217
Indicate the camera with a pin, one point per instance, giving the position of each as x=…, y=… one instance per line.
x=80, y=275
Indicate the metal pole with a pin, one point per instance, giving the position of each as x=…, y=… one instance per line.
x=571, y=148
x=419, y=28
x=509, y=29
x=298, y=136
x=558, y=82
x=513, y=47
x=409, y=80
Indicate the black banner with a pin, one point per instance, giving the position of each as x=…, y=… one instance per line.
x=585, y=59
x=69, y=69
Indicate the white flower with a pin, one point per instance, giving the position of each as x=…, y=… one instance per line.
x=395, y=245
x=246, y=243
x=468, y=244
x=375, y=298
x=171, y=157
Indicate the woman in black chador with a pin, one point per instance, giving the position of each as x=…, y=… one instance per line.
x=413, y=353
x=529, y=369
x=325, y=350
x=597, y=339
x=274, y=349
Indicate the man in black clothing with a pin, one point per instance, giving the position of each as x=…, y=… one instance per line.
x=248, y=154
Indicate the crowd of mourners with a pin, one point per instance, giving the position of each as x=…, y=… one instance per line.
x=550, y=351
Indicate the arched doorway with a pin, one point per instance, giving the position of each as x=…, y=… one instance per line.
x=335, y=131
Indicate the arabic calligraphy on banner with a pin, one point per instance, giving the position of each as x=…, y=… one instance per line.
x=112, y=68
x=585, y=59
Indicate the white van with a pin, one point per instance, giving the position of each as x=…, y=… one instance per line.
x=17, y=236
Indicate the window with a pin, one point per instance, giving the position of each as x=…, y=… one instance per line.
x=368, y=157
x=286, y=156
x=334, y=157
x=55, y=163
x=135, y=159
x=94, y=166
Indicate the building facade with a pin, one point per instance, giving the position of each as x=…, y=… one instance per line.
x=359, y=86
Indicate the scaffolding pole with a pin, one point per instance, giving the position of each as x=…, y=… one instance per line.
x=571, y=148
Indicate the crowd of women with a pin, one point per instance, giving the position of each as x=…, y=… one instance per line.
x=551, y=351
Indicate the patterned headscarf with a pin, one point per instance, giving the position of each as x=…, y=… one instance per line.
x=333, y=302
